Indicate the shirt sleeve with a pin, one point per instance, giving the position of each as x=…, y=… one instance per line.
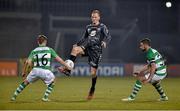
x=151, y=57
x=107, y=35
x=53, y=53
x=30, y=56
x=84, y=37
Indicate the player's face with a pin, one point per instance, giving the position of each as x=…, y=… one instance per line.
x=142, y=47
x=95, y=18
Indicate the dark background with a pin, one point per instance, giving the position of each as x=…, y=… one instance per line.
x=64, y=21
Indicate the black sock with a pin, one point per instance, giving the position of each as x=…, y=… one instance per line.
x=72, y=57
x=93, y=82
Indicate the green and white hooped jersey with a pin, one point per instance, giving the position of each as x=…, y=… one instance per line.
x=42, y=57
x=154, y=56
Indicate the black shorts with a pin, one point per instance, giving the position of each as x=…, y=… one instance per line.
x=94, y=54
x=93, y=51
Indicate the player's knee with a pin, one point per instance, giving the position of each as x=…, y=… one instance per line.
x=52, y=84
x=93, y=74
x=141, y=78
x=26, y=82
x=76, y=50
x=154, y=83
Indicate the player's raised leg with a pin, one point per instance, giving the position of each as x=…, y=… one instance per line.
x=76, y=50
x=19, y=90
x=94, y=78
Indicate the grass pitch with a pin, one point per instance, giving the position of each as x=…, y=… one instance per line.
x=70, y=93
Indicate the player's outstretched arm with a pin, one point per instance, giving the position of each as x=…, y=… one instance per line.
x=61, y=61
x=142, y=71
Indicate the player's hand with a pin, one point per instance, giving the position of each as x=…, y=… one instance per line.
x=67, y=67
x=103, y=44
x=61, y=69
x=146, y=81
x=135, y=74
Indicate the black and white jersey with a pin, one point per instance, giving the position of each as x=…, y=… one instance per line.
x=94, y=35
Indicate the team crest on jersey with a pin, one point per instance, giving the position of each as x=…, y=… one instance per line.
x=93, y=33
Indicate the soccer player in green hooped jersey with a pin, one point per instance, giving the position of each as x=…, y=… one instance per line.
x=40, y=58
x=152, y=73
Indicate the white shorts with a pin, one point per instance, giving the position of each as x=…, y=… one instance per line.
x=155, y=77
x=44, y=74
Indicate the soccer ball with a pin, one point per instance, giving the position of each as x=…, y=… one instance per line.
x=70, y=63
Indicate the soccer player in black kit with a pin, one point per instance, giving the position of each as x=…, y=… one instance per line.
x=95, y=38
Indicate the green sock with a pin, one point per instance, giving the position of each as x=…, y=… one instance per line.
x=19, y=89
x=159, y=89
x=48, y=90
x=136, y=89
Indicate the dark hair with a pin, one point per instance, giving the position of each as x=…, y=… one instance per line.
x=42, y=36
x=96, y=11
x=146, y=41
